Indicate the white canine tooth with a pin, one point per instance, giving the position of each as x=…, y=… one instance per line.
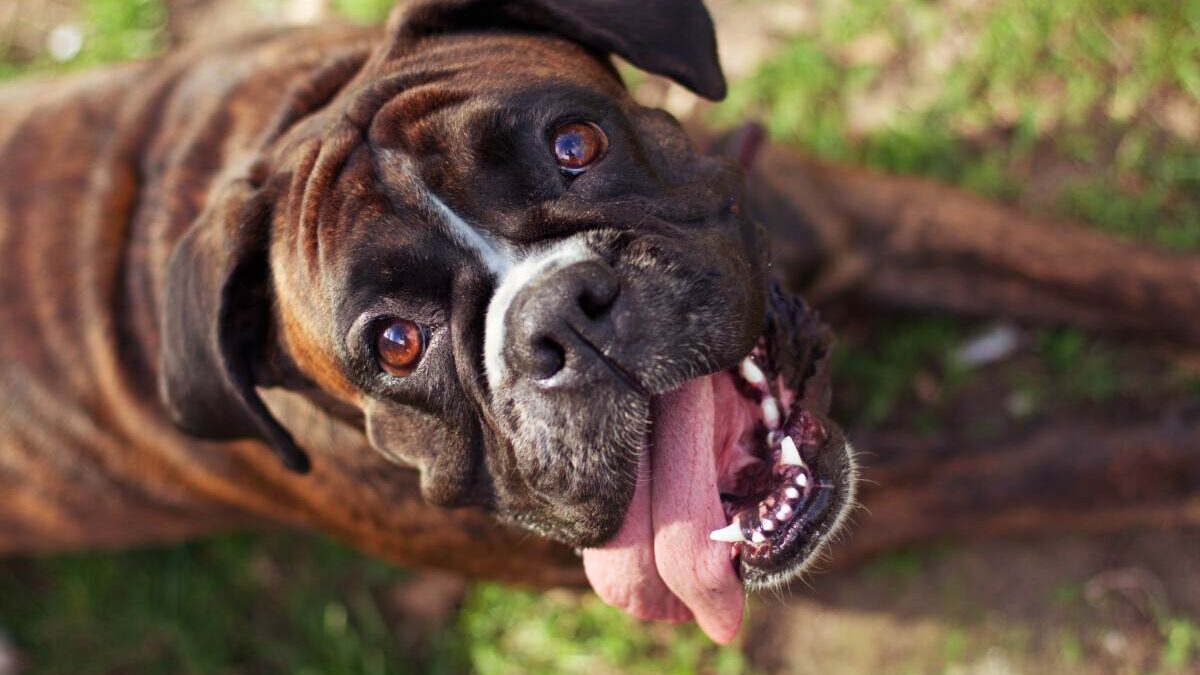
x=757, y=537
x=751, y=372
x=784, y=512
x=731, y=533
x=791, y=492
x=768, y=524
x=789, y=454
x=802, y=480
x=770, y=410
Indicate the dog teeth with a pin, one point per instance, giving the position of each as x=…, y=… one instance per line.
x=784, y=512
x=770, y=411
x=752, y=373
x=789, y=454
x=731, y=533
x=757, y=537
x=768, y=525
x=791, y=492
x=802, y=480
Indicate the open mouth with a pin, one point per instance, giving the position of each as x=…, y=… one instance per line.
x=742, y=483
x=773, y=496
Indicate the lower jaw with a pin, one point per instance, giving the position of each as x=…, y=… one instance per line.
x=788, y=552
x=779, y=524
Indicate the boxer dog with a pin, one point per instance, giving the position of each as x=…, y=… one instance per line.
x=445, y=291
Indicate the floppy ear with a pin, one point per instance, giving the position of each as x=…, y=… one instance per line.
x=215, y=321
x=674, y=38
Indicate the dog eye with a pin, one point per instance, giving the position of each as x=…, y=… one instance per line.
x=578, y=145
x=399, y=345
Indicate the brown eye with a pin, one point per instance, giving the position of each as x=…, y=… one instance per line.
x=399, y=346
x=577, y=145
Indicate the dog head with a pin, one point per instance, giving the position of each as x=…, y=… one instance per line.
x=526, y=286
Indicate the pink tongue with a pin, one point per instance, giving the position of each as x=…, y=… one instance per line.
x=662, y=555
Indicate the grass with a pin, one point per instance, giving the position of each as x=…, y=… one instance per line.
x=289, y=603
x=111, y=30
x=874, y=376
x=1082, y=370
x=237, y=604
x=513, y=632
x=1076, y=108
x=1070, y=649
x=955, y=645
x=1182, y=643
x=900, y=570
x=991, y=96
x=364, y=11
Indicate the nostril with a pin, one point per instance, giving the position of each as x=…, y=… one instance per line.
x=546, y=359
x=556, y=320
x=595, y=299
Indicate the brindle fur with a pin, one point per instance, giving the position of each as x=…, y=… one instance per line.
x=165, y=246
x=103, y=173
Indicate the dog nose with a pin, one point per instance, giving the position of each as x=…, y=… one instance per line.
x=562, y=316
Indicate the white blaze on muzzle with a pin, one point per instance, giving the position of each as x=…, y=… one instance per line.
x=533, y=267
x=496, y=258
x=512, y=275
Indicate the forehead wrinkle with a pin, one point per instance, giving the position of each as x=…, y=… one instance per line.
x=402, y=121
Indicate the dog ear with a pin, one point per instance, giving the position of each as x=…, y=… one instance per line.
x=674, y=38
x=215, y=322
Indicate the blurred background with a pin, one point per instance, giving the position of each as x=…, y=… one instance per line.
x=1087, y=110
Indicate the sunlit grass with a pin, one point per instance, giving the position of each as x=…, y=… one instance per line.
x=364, y=11
x=1073, y=109
x=1000, y=97
x=511, y=632
x=109, y=30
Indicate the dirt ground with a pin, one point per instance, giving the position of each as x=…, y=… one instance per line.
x=1063, y=604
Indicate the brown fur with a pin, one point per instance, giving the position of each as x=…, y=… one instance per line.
x=102, y=174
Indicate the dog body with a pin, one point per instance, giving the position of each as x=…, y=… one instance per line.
x=104, y=173
x=451, y=276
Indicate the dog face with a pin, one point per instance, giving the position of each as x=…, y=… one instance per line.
x=531, y=289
